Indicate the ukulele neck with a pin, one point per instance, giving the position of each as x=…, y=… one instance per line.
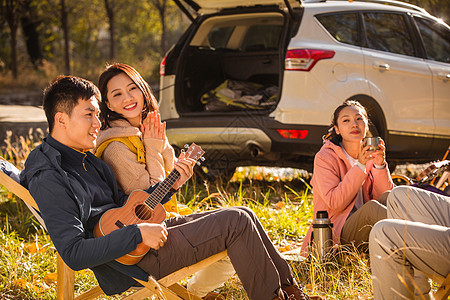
x=162, y=189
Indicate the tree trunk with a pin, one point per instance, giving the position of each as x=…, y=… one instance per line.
x=163, y=31
x=110, y=13
x=31, y=34
x=14, y=52
x=10, y=10
x=161, y=6
x=65, y=27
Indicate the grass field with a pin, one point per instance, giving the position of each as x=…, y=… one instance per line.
x=281, y=201
x=281, y=198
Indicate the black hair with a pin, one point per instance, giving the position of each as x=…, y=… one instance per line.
x=62, y=95
x=107, y=115
x=332, y=135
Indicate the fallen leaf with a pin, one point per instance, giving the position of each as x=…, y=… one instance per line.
x=50, y=278
x=281, y=204
x=20, y=283
x=33, y=247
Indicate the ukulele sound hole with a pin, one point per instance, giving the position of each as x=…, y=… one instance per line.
x=143, y=212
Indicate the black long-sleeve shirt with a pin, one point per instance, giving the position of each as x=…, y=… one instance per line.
x=73, y=189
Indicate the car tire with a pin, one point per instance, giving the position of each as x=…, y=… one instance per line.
x=377, y=123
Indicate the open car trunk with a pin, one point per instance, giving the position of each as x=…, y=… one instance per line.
x=233, y=62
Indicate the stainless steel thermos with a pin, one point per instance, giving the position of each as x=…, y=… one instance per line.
x=322, y=234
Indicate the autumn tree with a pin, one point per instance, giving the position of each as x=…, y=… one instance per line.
x=11, y=14
x=65, y=27
x=30, y=23
x=110, y=12
x=438, y=8
x=161, y=7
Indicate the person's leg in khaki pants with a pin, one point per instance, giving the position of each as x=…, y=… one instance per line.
x=398, y=248
x=357, y=227
x=415, y=204
x=418, y=205
x=211, y=277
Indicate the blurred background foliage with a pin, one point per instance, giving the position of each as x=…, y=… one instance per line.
x=40, y=39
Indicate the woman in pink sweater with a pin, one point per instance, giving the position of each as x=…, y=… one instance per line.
x=348, y=177
x=133, y=142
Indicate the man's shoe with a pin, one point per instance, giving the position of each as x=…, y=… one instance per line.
x=294, y=292
x=214, y=296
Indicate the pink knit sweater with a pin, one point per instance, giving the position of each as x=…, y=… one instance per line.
x=130, y=173
x=336, y=183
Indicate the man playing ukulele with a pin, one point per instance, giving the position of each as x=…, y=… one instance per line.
x=73, y=188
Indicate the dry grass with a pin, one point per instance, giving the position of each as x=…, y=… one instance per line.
x=16, y=149
x=27, y=262
x=281, y=198
x=30, y=78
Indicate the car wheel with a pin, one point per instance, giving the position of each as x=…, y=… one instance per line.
x=377, y=122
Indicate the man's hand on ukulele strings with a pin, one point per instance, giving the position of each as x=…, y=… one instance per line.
x=153, y=235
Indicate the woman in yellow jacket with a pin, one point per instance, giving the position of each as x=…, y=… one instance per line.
x=132, y=138
x=133, y=142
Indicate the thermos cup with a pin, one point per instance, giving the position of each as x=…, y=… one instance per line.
x=372, y=142
x=322, y=234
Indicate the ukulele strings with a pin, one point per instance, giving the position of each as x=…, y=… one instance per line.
x=162, y=189
x=154, y=198
x=157, y=194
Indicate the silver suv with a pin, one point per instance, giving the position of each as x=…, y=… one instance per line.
x=256, y=82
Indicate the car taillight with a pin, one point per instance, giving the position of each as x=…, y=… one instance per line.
x=293, y=133
x=162, y=67
x=305, y=59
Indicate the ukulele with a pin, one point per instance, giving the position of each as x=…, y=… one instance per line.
x=141, y=207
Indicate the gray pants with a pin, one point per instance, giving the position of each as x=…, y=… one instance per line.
x=415, y=237
x=195, y=237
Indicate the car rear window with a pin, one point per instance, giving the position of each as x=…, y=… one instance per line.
x=218, y=36
x=262, y=37
x=241, y=32
x=343, y=27
x=257, y=37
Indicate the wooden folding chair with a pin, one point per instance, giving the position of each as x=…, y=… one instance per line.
x=443, y=290
x=165, y=288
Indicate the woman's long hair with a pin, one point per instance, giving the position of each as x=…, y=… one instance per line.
x=332, y=135
x=107, y=115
